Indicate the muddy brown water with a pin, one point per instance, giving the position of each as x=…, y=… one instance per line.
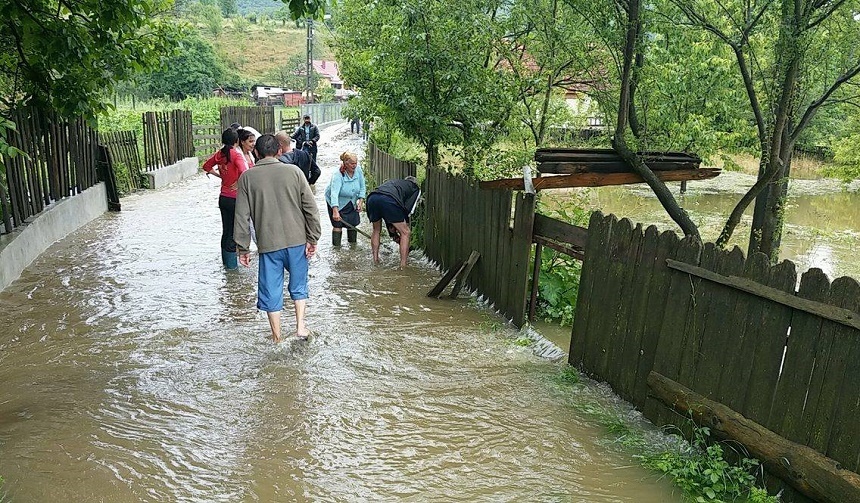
x=134, y=368
x=822, y=217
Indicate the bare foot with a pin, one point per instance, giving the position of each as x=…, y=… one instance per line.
x=276, y=338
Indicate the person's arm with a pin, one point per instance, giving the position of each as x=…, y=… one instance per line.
x=241, y=228
x=315, y=133
x=210, y=164
x=362, y=189
x=313, y=229
x=334, y=192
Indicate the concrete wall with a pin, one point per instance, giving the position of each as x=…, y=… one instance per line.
x=176, y=172
x=22, y=246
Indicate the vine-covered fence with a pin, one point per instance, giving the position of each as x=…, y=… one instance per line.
x=655, y=309
x=59, y=161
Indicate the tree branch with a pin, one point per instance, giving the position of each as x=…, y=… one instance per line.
x=815, y=105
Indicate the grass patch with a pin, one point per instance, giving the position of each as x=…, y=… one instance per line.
x=699, y=467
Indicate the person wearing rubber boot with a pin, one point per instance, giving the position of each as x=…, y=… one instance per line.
x=344, y=198
x=393, y=201
x=278, y=200
x=227, y=164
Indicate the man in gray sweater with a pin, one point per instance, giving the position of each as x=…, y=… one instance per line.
x=276, y=197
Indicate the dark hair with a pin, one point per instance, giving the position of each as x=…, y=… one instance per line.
x=229, y=138
x=244, y=134
x=306, y=117
x=267, y=145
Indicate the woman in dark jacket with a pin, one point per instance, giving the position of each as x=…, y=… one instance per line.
x=393, y=201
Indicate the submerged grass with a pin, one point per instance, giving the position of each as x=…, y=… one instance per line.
x=697, y=466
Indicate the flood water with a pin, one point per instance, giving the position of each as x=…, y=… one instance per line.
x=822, y=219
x=134, y=368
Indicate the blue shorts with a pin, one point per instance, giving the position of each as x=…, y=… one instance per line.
x=270, y=284
x=383, y=207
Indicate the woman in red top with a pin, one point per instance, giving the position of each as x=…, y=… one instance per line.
x=227, y=164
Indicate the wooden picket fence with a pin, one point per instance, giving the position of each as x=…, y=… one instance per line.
x=60, y=162
x=206, y=138
x=167, y=138
x=122, y=148
x=384, y=167
x=260, y=118
x=732, y=329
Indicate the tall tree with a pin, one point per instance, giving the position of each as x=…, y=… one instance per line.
x=67, y=55
x=793, y=57
x=428, y=67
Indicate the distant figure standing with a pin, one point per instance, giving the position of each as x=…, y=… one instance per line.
x=344, y=198
x=355, y=125
x=227, y=164
x=393, y=201
x=279, y=202
x=307, y=135
x=300, y=158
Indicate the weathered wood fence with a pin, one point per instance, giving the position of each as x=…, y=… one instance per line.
x=60, y=162
x=122, y=149
x=167, y=138
x=290, y=122
x=206, y=138
x=730, y=328
x=461, y=217
x=260, y=118
x=384, y=166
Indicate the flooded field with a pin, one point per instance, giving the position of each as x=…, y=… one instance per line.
x=822, y=220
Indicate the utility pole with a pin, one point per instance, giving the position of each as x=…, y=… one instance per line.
x=310, y=60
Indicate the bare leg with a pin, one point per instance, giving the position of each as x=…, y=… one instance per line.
x=403, y=229
x=301, y=330
x=374, y=240
x=275, y=325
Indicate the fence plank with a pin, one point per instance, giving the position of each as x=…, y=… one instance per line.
x=839, y=388
x=721, y=327
x=655, y=308
x=638, y=294
x=590, y=274
x=738, y=363
x=773, y=329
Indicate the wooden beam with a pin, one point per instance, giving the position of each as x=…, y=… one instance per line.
x=535, y=281
x=806, y=469
x=567, y=249
x=616, y=166
x=446, y=279
x=464, y=273
x=833, y=313
x=559, y=231
x=598, y=179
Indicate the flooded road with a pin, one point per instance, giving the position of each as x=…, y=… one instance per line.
x=134, y=368
x=822, y=218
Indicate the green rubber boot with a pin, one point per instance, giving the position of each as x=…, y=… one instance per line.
x=231, y=261
x=351, y=236
x=336, y=237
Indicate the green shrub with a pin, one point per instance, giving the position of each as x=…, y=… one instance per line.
x=703, y=473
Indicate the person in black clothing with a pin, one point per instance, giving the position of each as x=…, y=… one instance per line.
x=300, y=158
x=393, y=201
x=307, y=135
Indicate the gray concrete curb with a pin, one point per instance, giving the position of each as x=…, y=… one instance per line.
x=183, y=169
x=22, y=246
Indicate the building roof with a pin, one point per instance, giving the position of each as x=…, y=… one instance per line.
x=327, y=69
